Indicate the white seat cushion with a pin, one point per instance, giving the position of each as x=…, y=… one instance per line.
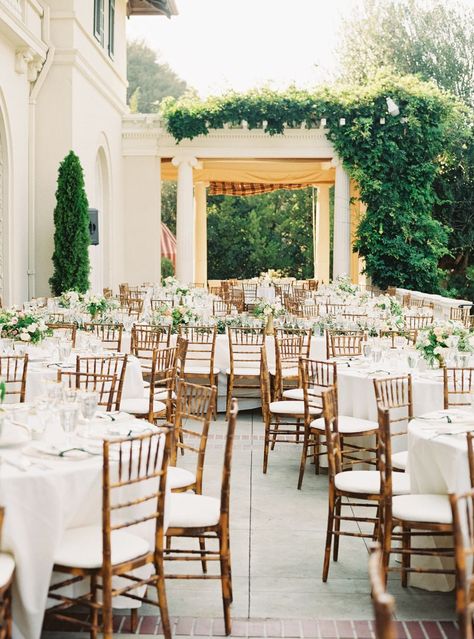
x=347, y=425
x=162, y=395
x=400, y=460
x=294, y=393
x=249, y=371
x=368, y=481
x=140, y=406
x=187, y=510
x=179, y=477
x=82, y=547
x=7, y=566
x=287, y=372
x=433, y=509
x=199, y=370
x=291, y=408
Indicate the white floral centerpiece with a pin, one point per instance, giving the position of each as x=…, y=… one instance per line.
x=98, y=305
x=177, y=316
x=268, y=278
x=70, y=299
x=387, y=312
x=267, y=311
x=23, y=326
x=434, y=341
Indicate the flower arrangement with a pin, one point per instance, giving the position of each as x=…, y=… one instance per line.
x=343, y=284
x=23, y=326
x=69, y=299
x=432, y=342
x=97, y=304
x=176, y=316
x=170, y=282
x=264, y=309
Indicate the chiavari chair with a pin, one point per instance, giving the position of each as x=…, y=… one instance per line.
x=124, y=294
x=197, y=285
x=103, y=385
x=237, y=298
x=458, y=384
x=55, y=318
x=109, y=334
x=414, y=516
x=417, y=322
x=289, y=348
x=411, y=302
x=336, y=309
x=382, y=603
x=310, y=311
x=156, y=303
x=354, y=317
x=133, y=495
x=318, y=376
x=243, y=374
x=313, y=285
x=145, y=339
x=221, y=308
x=106, y=365
x=13, y=369
x=107, y=293
x=460, y=314
x=395, y=394
x=250, y=293
x=135, y=307
x=7, y=569
x=64, y=330
x=202, y=517
x=410, y=336
x=306, y=334
x=462, y=508
x=344, y=343
x=350, y=490
x=200, y=354
x=283, y=420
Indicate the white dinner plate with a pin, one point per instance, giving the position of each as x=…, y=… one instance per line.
x=13, y=436
x=112, y=431
x=42, y=449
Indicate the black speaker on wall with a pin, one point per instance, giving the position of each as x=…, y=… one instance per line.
x=94, y=226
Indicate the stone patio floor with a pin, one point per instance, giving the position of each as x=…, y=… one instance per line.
x=277, y=542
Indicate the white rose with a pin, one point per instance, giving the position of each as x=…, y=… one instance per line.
x=25, y=337
x=32, y=327
x=14, y=320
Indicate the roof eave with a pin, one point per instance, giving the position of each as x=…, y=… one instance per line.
x=166, y=8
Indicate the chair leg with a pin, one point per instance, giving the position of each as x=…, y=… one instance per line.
x=230, y=386
x=202, y=547
x=304, y=454
x=406, y=543
x=327, y=550
x=133, y=620
x=266, y=446
x=225, y=581
x=317, y=453
x=275, y=432
x=94, y=611
x=162, y=600
x=337, y=528
x=107, y=612
x=387, y=545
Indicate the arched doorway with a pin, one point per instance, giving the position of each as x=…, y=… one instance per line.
x=97, y=253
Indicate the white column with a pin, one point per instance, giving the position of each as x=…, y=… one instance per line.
x=185, y=245
x=200, y=201
x=321, y=263
x=342, y=222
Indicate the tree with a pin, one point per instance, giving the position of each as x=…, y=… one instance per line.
x=149, y=81
x=71, y=235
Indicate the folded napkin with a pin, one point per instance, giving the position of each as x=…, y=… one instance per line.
x=40, y=449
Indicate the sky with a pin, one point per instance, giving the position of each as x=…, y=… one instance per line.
x=217, y=45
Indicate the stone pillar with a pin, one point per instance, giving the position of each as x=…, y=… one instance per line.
x=185, y=245
x=342, y=222
x=200, y=201
x=321, y=263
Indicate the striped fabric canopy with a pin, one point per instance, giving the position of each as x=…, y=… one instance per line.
x=250, y=188
x=168, y=244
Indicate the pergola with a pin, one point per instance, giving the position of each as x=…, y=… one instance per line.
x=227, y=159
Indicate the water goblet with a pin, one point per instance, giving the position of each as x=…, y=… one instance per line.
x=366, y=349
x=377, y=355
x=68, y=417
x=64, y=349
x=89, y=401
x=41, y=415
x=412, y=360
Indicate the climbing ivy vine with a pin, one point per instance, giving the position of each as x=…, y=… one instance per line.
x=393, y=162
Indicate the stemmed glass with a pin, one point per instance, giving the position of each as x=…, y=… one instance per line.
x=68, y=416
x=89, y=400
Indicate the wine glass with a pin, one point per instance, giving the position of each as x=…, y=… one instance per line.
x=65, y=348
x=412, y=360
x=88, y=401
x=41, y=417
x=68, y=417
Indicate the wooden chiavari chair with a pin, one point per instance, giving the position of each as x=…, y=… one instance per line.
x=7, y=568
x=410, y=336
x=107, y=293
x=236, y=298
x=145, y=339
x=55, y=318
x=283, y=420
x=354, y=317
x=460, y=314
x=289, y=348
x=416, y=516
x=220, y=308
x=395, y=394
x=344, y=343
x=64, y=330
x=135, y=307
x=250, y=293
x=106, y=365
x=310, y=311
x=200, y=354
x=416, y=322
x=197, y=285
x=350, y=489
x=203, y=517
x=458, y=384
x=109, y=334
x=318, y=376
x=13, y=369
x=133, y=494
x=124, y=294
x=383, y=603
x=306, y=334
x=336, y=309
x=416, y=302
x=103, y=385
x=243, y=373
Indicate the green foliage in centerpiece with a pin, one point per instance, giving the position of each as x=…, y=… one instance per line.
x=22, y=326
x=433, y=341
x=71, y=235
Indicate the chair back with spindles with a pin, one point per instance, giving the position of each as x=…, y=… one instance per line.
x=288, y=351
x=316, y=376
x=383, y=603
x=462, y=507
x=395, y=394
x=163, y=379
x=244, y=346
x=460, y=314
x=135, y=307
x=103, y=385
x=237, y=298
x=250, y=292
x=109, y=334
x=409, y=335
x=201, y=346
x=333, y=439
x=145, y=339
x=458, y=385
x=344, y=343
x=417, y=322
x=65, y=330
x=336, y=309
x=305, y=333
x=194, y=410
x=55, y=318
x=106, y=365
x=221, y=308
x=156, y=303
x=354, y=317
x=309, y=311
x=13, y=370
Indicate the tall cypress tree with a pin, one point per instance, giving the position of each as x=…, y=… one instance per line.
x=71, y=235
